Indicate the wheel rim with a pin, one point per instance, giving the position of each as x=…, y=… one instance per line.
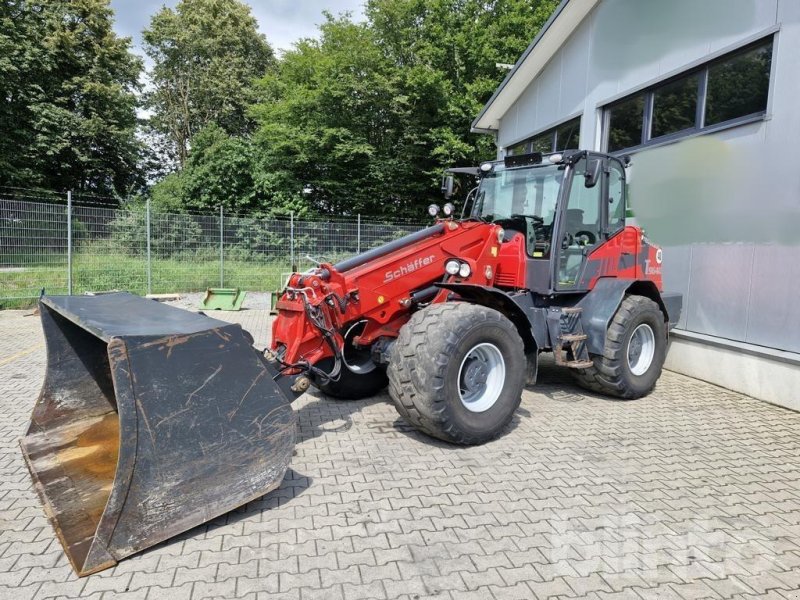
x=481, y=377
x=641, y=349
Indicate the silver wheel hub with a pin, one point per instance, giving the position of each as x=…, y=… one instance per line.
x=481, y=377
x=641, y=349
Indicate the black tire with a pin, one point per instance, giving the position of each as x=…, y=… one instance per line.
x=427, y=360
x=611, y=373
x=350, y=385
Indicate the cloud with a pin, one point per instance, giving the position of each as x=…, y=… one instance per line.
x=282, y=21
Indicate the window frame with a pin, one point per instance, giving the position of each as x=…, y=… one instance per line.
x=702, y=72
x=551, y=131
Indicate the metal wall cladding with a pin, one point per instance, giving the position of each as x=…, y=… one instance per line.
x=676, y=276
x=774, y=311
x=719, y=285
x=742, y=292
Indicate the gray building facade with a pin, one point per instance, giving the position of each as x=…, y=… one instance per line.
x=703, y=95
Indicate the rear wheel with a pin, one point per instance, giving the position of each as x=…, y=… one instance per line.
x=457, y=372
x=634, y=352
x=359, y=376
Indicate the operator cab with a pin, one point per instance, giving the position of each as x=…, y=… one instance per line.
x=565, y=204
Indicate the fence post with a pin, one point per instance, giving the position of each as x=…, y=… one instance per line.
x=358, y=235
x=149, y=263
x=291, y=242
x=69, y=243
x=221, y=251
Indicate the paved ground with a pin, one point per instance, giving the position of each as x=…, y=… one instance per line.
x=693, y=492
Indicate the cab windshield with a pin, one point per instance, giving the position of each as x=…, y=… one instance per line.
x=530, y=192
x=522, y=199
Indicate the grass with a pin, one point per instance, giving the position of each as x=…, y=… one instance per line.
x=103, y=272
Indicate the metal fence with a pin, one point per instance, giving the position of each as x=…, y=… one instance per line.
x=72, y=248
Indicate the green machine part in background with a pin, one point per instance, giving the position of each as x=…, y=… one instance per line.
x=223, y=299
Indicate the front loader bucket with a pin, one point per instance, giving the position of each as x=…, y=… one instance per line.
x=151, y=420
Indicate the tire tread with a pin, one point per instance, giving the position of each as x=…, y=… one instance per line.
x=607, y=375
x=430, y=339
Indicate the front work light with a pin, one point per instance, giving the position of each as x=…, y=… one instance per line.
x=433, y=210
x=448, y=209
x=452, y=266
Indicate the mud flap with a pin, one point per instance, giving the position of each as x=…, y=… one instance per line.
x=151, y=420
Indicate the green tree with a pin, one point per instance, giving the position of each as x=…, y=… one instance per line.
x=218, y=172
x=68, y=107
x=228, y=171
x=328, y=122
x=461, y=41
x=206, y=55
x=368, y=115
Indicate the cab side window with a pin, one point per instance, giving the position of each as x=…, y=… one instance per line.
x=616, y=199
x=583, y=208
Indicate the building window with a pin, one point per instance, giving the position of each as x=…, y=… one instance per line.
x=521, y=148
x=542, y=143
x=675, y=106
x=726, y=90
x=625, y=123
x=556, y=139
x=568, y=135
x=738, y=86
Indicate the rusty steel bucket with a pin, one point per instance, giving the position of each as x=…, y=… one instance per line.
x=151, y=420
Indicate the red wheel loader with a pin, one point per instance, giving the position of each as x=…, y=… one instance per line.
x=153, y=420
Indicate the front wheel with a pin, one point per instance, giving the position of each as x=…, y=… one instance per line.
x=457, y=372
x=353, y=385
x=634, y=352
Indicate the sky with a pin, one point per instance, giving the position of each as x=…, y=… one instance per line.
x=282, y=21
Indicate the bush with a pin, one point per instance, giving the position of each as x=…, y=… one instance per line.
x=25, y=239
x=170, y=234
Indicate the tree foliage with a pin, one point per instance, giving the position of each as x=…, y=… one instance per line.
x=367, y=116
x=361, y=120
x=327, y=121
x=68, y=108
x=206, y=55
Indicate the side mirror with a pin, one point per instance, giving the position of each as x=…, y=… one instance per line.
x=447, y=186
x=593, y=170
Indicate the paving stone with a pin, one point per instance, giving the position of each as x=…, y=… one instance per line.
x=215, y=589
x=248, y=585
x=363, y=592
x=182, y=592
x=19, y=592
x=331, y=577
x=549, y=589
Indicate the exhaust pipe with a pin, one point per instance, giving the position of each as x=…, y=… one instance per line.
x=151, y=420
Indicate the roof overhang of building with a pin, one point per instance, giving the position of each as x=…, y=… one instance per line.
x=566, y=18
